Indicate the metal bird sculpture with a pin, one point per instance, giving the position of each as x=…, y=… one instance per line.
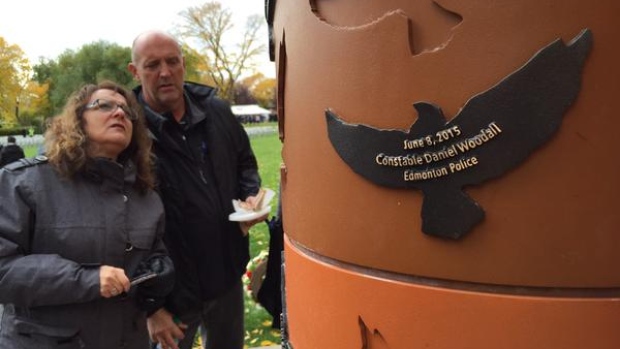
x=493, y=132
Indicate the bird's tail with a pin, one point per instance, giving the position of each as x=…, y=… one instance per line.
x=449, y=213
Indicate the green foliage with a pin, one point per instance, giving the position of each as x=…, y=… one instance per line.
x=29, y=119
x=14, y=131
x=92, y=63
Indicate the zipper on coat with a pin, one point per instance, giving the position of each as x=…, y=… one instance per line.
x=200, y=162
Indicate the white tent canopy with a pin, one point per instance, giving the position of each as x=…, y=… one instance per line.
x=250, y=113
x=249, y=109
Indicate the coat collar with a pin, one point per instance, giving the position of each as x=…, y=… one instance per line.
x=110, y=174
x=195, y=97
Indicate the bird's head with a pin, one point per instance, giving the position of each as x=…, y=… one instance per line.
x=430, y=116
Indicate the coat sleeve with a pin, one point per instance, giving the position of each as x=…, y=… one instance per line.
x=151, y=294
x=35, y=279
x=249, y=178
x=237, y=155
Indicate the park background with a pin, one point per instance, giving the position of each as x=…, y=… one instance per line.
x=221, y=48
x=225, y=44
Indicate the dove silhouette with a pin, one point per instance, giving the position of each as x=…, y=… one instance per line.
x=493, y=132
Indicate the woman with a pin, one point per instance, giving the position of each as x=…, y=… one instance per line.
x=77, y=226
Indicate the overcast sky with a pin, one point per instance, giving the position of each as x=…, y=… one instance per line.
x=46, y=28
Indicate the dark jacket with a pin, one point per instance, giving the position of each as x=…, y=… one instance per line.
x=54, y=235
x=10, y=153
x=202, y=164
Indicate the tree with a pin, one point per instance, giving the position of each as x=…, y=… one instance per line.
x=43, y=73
x=261, y=89
x=243, y=95
x=32, y=104
x=196, y=68
x=208, y=26
x=15, y=73
x=91, y=64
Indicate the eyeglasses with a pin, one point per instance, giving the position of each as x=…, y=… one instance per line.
x=107, y=106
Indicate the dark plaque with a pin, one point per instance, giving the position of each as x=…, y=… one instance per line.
x=495, y=131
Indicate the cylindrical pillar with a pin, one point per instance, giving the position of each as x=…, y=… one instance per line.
x=450, y=176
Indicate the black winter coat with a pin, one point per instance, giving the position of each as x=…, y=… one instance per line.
x=202, y=166
x=10, y=153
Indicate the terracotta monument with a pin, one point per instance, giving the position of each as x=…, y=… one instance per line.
x=451, y=174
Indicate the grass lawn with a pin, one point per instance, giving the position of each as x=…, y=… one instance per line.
x=30, y=151
x=258, y=321
x=258, y=331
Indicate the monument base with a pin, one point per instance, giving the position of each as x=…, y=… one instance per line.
x=347, y=309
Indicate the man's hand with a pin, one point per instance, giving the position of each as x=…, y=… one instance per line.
x=245, y=226
x=164, y=330
x=252, y=202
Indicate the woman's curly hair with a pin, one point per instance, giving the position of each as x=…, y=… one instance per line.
x=66, y=142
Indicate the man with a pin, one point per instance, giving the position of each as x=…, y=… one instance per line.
x=10, y=152
x=204, y=161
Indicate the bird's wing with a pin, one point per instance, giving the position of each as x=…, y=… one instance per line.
x=528, y=107
x=364, y=148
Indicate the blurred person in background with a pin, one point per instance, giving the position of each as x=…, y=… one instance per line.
x=10, y=152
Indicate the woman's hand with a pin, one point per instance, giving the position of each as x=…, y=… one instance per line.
x=112, y=281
